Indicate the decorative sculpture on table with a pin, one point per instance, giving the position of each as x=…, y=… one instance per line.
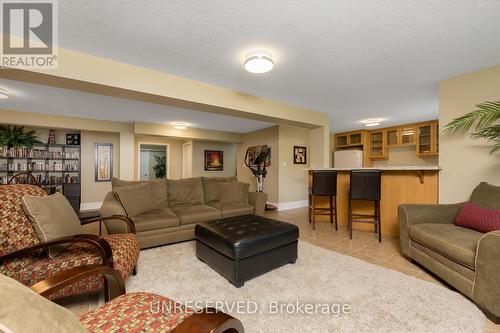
x=257, y=159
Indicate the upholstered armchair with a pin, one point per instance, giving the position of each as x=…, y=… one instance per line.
x=23, y=259
x=133, y=312
x=466, y=259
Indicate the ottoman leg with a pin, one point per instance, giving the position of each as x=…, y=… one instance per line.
x=293, y=261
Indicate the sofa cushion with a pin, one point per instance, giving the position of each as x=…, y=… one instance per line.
x=233, y=209
x=197, y=213
x=211, y=187
x=158, y=187
x=20, y=303
x=160, y=219
x=230, y=193
x=185, y=192
x=52, y=217
x=478, y=218
x=486, y=195
x=137, y=199
x=454, y=242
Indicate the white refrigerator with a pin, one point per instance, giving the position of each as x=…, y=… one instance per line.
x=348, y=159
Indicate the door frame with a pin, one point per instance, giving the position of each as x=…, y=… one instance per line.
x=138, y=155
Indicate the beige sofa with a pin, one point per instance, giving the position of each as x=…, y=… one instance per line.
x=468, y=260
x=182, y=203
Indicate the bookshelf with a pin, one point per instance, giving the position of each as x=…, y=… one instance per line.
x=56, y=167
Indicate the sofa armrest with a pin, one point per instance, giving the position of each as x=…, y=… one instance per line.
x=416, y=214
x=258, y=200
x=486, y=291
x=111, y=206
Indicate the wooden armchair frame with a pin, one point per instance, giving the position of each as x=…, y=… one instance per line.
x=99, y=243
x=206, y=321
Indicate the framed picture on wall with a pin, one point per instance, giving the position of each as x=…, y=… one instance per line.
x=299, y=155
x=214, y=160
x=103, y=162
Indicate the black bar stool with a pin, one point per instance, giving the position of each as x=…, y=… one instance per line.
x=324, y=183
x=365, y=185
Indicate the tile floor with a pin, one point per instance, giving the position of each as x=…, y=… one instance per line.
x=364, y=246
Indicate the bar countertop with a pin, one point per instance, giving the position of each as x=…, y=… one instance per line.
x=388, y=168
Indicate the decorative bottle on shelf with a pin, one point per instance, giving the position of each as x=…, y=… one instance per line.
x=67, y=179
x=52, y=137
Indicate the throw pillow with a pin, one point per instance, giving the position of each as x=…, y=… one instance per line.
x=230, y=193
x=158, y=186
x=137, y=199
x=478, y=218
x=52, y=217
x=23, y=310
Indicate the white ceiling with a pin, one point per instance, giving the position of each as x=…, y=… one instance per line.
x=44, y=99
x=354, y=59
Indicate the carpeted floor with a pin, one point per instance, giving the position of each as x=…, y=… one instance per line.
x=380, y=300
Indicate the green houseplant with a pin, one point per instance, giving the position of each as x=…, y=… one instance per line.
x=485, y=120
x=15, y=136
x=160, y=168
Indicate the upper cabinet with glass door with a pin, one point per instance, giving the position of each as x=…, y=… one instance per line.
x=400, y=136
x=427, y=139
x=350, y=139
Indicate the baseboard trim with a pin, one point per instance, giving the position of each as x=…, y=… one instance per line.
x=290, y=204
x=86, y=206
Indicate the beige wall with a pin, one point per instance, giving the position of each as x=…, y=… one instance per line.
x=94, y=192
x=292, y=177
x=174, y=159
x=466, y=162
x=267, y=136
x=405, y=156
x=198, y=160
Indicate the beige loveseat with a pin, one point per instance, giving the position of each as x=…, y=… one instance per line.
x=468, y=260
x=181, y=204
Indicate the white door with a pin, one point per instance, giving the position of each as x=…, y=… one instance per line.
x=144, y=165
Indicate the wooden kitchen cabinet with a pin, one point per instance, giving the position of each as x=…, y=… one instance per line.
x=428, y=139
x=349, y=139
x=400, y=136
x=377, y=145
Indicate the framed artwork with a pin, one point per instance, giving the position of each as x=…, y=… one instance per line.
x=103, y=162
x=254, y=152
x=214, y=160
x=299, y=155
x=73, y=139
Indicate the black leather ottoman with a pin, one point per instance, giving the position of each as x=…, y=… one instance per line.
x=243, y=247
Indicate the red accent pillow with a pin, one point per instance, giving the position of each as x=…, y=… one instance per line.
x=478, y=218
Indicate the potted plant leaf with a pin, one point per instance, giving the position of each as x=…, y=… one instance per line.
x=486, y=123
x=15, y=136
x=160, y=168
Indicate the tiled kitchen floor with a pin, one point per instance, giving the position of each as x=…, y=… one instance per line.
x=364, y=246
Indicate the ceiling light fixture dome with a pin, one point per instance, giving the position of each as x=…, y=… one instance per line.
x=180, y=125
x=3, y=94
x=372, y=122
x=259, y=62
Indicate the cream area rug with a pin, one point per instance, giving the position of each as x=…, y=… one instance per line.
x=323, y=291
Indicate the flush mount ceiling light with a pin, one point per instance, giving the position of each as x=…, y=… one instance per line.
x=259, y=62
x=180, y=125
x=3, y=94
x=372, y=122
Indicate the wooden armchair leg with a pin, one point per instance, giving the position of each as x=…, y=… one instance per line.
x=134, y=271
x=210, y=321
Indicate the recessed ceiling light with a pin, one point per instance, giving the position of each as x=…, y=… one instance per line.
x=180, y=125
x=3, y=94
x=372, y=122
x=259, y=62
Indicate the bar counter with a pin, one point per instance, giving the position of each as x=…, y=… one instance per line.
x=400, y=185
